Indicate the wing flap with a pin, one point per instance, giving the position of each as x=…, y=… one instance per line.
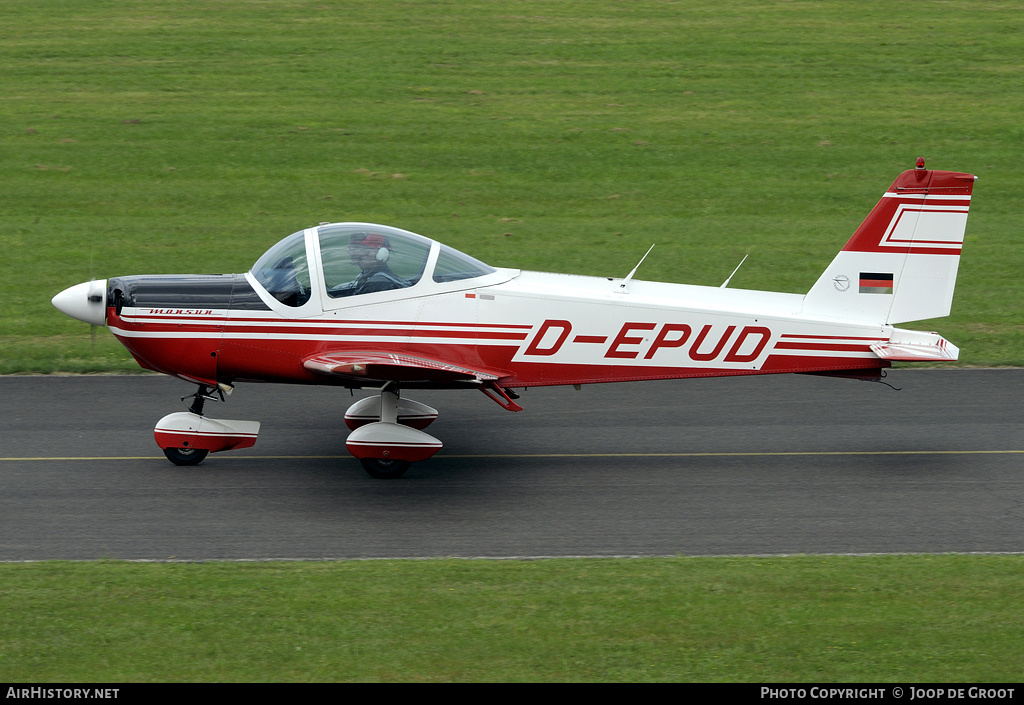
x=395, y=367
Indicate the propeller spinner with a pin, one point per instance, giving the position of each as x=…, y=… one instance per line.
x=86, y=301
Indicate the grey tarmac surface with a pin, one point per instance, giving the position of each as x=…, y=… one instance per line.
x=753, y=465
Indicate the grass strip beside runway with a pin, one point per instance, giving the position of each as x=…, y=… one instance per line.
x=947, y=618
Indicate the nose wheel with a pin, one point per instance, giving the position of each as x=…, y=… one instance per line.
x=384, y=469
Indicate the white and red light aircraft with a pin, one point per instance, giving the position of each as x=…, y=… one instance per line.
x=358, y=305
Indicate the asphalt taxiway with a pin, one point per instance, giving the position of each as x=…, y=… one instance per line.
x=755, y=465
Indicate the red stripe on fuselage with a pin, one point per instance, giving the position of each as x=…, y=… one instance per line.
x=873, y=339
x=270, y=328
x=834, y=347
x=317, y=322
x=258, y=331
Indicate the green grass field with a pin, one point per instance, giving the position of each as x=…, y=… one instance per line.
x=174, y=136
x=893, y=619
x=167, y=136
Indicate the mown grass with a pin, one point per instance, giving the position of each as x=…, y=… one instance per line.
x=162, y=136
x=796, y=619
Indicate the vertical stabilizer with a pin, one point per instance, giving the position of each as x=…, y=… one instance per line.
x=901, y=263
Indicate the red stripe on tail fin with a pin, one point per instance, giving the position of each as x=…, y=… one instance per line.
x=923, y=212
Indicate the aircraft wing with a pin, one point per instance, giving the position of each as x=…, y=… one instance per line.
x=395, y=367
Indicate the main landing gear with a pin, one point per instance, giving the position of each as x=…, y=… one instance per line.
x=187, y=437
x=386, y=435
x=387, y=431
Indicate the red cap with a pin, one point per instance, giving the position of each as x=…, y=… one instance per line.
x=371, y=240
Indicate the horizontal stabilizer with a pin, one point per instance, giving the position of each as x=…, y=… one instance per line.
x=914, y=346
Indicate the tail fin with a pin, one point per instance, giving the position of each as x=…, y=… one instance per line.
x=901, y=263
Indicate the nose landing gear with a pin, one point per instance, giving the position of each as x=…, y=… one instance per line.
x=187, y=437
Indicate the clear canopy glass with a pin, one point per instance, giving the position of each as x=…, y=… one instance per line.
x=283, y=270
x=360, y=258
x=453, y=265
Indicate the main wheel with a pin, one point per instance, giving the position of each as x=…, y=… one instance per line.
x=186, y=456
x=384, y=469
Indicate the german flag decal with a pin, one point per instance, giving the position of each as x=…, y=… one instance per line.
x=875, y=283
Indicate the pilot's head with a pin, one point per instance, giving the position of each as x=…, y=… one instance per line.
x=369, y=250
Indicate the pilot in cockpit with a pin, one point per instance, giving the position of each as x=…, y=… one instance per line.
x=370, y=252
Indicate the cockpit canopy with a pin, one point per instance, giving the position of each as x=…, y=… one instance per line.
x=354, y=259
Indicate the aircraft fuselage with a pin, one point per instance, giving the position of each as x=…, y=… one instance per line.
x=532, y=329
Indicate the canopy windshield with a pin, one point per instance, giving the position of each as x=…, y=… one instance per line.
x=283, y=270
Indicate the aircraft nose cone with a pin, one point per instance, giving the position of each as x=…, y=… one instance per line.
x=86, y=302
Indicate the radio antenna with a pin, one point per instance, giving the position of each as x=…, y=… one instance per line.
x=726, y=282
x=622, y=286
